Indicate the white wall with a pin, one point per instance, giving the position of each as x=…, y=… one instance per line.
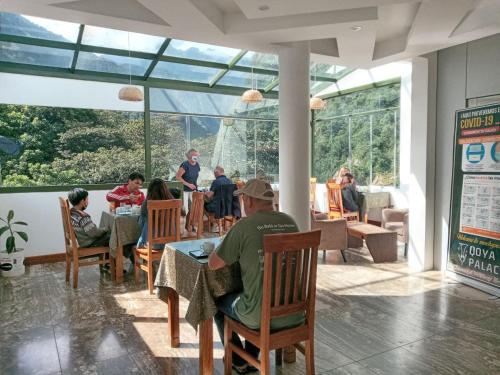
x=464, y=72
x=60, y=92
x=41, y=212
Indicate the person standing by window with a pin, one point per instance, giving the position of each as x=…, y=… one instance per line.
x=188, y=175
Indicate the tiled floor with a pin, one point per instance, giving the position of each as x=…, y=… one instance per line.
x=371, y=319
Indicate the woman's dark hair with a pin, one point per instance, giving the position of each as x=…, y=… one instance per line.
x=158, y=190
x=136, y=175
x=77, y=195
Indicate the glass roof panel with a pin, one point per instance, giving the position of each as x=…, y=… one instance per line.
x=101, y=37
x=40, y=28
x=112, y=64
x=244, y=79
x=259, y=60
x=35, y=55
x=326, y=70
x=200, y=51
x=184, y=72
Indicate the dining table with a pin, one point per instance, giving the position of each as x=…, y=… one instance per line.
x=124, y=230
x=181, y=274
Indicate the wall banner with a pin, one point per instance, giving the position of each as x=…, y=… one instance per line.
x=474, y=243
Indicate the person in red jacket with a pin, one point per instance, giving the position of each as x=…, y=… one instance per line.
x=129, y=193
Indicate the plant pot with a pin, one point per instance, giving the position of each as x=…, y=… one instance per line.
x=16, y=259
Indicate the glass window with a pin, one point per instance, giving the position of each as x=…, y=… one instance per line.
x=35, y=55
x=200, y=51
x=244, y=79
x=330, y=148
x=112, y=64
x=40, y=28
x=384, y=139
x=101, y=37
x=326, y=70
x=67, y=146
x=183, y=72
x=259, y=60
x=210, y=104
x=361, y=156
x=169, y=143
x=242, y=147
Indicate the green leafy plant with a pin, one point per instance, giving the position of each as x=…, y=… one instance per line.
x=10, y=243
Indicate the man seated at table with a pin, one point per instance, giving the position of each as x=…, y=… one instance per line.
x=87, y=233
x=243, y=244
x=349, y=193
x=128, y=193
x=220, y=179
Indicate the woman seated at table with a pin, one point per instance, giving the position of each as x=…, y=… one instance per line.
x=157, y=191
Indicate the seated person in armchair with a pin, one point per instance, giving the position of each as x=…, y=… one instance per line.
x=349, y=193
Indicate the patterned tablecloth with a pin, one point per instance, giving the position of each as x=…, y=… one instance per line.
x=192, y=279
x=125, y=229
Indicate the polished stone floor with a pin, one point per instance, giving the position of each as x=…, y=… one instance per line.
x=371, y=319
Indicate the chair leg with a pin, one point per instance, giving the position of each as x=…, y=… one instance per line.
x=278, y=355
x=406, y=249
x=68, y=267
x=112, y=267
x=265, y=365
x=309, y=356
x=150, y=276
x=228, y=354
x=136, y=268
x=75, y=273
x=343, y=256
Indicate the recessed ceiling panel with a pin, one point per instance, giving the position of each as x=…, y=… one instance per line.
x=128, y=9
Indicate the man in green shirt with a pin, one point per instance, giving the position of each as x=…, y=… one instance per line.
x=243, y=244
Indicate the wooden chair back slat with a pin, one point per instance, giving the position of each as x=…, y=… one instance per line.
x=335, y=198
x=277, y=280
x=305, y=274
x=296, y=279
x=295, y=249
x=288, y=277
x=69, y=232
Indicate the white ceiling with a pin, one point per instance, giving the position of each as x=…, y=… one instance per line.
x=391, y=30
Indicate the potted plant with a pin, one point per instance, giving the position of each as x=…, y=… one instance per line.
x=12, y=254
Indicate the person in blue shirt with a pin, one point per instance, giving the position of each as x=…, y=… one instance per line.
x=157, y=191
x=188, y=175
x=220, y=179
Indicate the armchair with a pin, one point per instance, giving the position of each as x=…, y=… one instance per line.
x=396, y=220
x=333, y=233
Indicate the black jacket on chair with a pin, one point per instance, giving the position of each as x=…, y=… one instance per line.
x=226, y=204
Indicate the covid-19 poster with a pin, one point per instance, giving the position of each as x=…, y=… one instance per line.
x=474, y=245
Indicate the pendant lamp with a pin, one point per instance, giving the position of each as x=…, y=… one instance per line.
x=252, y=95
x=316, y=103
x=130, y=93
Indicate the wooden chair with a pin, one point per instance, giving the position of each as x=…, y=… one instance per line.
x=164, y=225
x=80, y=256
x=289, y=288
x=312, y=193
x=195, y=216
x=335, y=205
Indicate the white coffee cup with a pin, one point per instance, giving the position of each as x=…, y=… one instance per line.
x=207, y=247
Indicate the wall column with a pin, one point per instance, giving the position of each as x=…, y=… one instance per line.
x=294, y=132
x=417, y=157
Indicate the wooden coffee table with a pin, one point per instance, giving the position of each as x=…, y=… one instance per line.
x=381, y=243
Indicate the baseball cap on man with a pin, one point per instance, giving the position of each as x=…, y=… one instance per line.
x=257, y=189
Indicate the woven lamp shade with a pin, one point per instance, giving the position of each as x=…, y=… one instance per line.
x=316, y=103
x=130, y=94
x=252, y=96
